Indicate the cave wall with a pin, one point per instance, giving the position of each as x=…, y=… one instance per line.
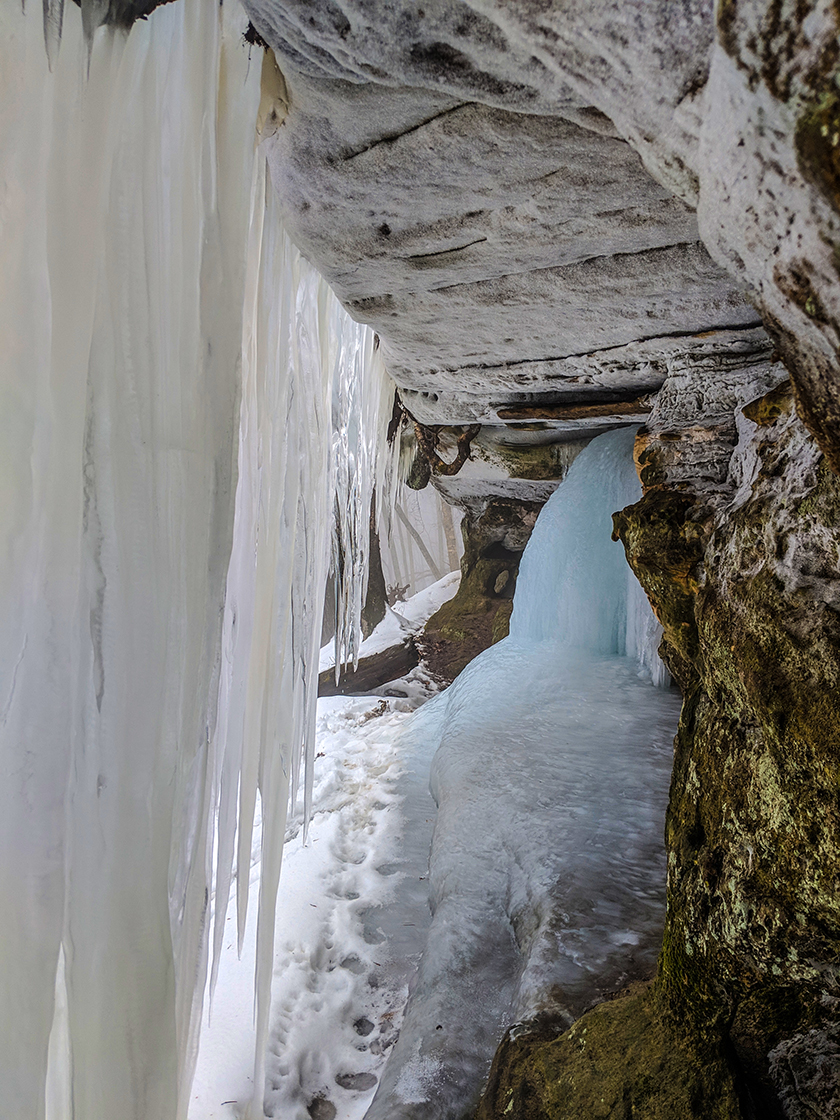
x=748, y=595
x=736, y=542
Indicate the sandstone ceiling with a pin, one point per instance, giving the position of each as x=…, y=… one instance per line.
x=509, y=193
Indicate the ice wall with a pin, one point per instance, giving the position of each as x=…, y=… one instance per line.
x=547, y=869
x=574, y=586
x=135, y=228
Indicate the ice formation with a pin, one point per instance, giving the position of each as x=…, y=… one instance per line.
x=144, y=286
x=554, y=754
x=313, y=398
x=424, y=543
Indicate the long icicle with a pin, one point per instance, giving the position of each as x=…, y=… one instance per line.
x=151, y=688
x=312, y=397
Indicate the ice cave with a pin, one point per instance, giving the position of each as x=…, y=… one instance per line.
x=420, y=631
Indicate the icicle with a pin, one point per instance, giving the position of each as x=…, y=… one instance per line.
x=126, y=205
x=158, y=645
x=308, y=400
x=94, y=14
x=361, y=402
x=53, y=19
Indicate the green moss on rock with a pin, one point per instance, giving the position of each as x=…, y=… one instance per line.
x=479, y=613
x=538, y=462
x=626, y=1058
x=818, y=145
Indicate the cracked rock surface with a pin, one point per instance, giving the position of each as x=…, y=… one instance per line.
x=495, y=184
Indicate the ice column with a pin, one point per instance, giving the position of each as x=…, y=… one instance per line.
x=133, y=231
x=124, y=214
x=574, y=583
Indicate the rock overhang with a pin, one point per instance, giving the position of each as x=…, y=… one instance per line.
x=514, y=253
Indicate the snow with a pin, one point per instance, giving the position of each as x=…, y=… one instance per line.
x=351, y=917
x=402, y=621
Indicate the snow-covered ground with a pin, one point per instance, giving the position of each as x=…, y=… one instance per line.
x=405, y=620
x=338, y=992
x=352, y=915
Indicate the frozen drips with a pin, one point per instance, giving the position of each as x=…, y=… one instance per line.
x=574, y=584
x=158, y=640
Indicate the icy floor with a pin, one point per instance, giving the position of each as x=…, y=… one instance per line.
x=342, y=961
x=341, y=974
x=547, y=871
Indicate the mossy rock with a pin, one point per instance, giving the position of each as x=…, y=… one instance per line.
x=464, y=626
x=751, y=953
x=664, y=537
x=624, y=1059
x=818, y=145
x=479, y=613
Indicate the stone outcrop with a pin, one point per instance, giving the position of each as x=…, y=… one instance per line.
x=749, y=598
x=495, y=227
x=583, y=1072
x=737, y=544
x=750, y=953
x=441, y=165
x=479, y=613
x=769, y=202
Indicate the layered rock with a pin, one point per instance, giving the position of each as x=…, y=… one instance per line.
x=479, y=209
x=441, y=162
x=750, y=959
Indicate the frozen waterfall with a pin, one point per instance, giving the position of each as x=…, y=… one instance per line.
x=551, y=771
x=181, y=397
x=574, y=585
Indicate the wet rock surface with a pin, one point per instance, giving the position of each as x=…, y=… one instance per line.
x=540, y=1074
